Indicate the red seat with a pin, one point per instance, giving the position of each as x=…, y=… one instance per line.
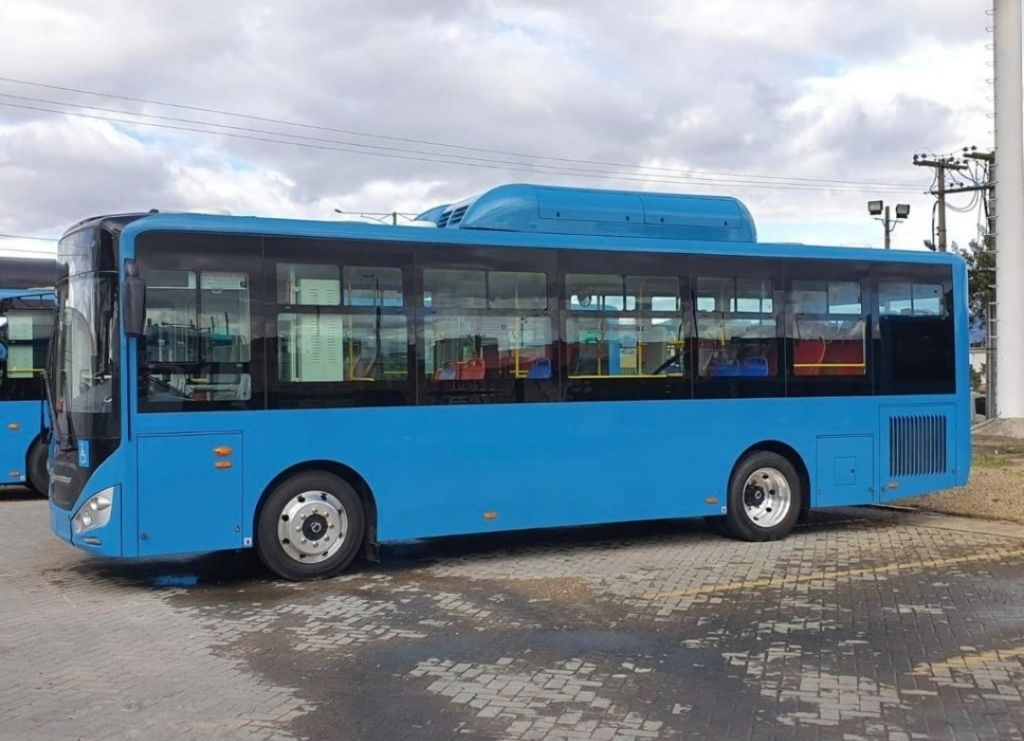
x=808, y=355
x=473, y=370
x=845, y=358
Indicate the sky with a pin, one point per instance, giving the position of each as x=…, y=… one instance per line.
x=803, y=109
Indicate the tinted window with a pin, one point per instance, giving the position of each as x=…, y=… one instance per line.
x=198, y=336
x=739, y=351
x=828, y=331
x=308, y=285
x=914, y=334
x=827, y=328
x=342, y=338
x=626, y=332
x=200, y=344
x=25, y=328
x=486, y=334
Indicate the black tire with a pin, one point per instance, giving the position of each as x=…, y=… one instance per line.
x=720, y=524
x=279, y=555
x=38, y=475
x=775, y=522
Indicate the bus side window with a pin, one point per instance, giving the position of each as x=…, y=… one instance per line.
x=342, y=335
x=24, y=337
x=827, y=328
x=198, y=338
x=736, y=328
x=486, y=336
x=915, y=331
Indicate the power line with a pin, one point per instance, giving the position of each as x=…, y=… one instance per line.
x=274, y=138
x=446, y=145
x=22, y=236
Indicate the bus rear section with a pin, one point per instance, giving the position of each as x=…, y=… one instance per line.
x=312, y=390
x=26, y=323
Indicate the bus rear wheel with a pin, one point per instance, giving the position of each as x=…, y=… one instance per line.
x=38, y=475
x=310, y=527
x=765, y=496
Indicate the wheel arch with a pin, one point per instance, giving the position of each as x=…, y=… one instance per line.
x=42, y=439
x=789, y=453
x=352, y=477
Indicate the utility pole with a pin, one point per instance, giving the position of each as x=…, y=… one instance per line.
x=989, y=242
x=941, y=165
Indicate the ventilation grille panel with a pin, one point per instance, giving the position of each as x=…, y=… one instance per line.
x=442, y=220
x=917, y=445
x=457, y=215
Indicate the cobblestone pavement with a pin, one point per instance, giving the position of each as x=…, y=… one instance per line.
x=864, y=624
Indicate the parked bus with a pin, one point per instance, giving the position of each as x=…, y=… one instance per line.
x=537, y=357
x=26, y=322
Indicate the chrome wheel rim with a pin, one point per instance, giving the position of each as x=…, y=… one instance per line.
x=312, y=526
x=767, y=497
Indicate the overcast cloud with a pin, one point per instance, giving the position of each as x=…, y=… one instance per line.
x=831, y=89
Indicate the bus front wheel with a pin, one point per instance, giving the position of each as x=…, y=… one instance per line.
x=764, y=497
x=38, y=475
x=310, y=527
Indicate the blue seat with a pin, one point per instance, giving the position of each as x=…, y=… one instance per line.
x=756, y=365
x=732, y=368
x=540, y=370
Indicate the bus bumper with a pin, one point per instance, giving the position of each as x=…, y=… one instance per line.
x=94, y=524
x=60, y=522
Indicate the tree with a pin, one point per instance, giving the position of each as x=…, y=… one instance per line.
x=981, y=278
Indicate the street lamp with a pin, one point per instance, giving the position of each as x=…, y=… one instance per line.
x=877, y=208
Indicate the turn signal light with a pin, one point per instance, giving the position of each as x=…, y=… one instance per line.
x=222, y=450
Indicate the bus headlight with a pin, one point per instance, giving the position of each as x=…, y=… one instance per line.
x=94, y=513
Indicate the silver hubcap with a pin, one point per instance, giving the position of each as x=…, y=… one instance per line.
x=312, y=526
x=767, y=497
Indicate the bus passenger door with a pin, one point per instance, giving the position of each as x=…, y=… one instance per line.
x=192, y=492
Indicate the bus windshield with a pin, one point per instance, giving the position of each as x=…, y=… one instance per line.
x=83, y=380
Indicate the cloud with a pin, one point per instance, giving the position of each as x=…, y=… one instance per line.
x=801, y=88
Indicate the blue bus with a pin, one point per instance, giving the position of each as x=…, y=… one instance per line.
x=534, y=357
x=26, y=322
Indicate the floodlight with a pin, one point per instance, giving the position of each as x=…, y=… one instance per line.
x=902, y=210
x=874, y=207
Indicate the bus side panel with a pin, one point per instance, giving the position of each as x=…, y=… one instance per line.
x=20, y=423
x=448, y=470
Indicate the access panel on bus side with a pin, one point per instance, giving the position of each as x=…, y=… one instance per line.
x=845, y=471
x=190, y=493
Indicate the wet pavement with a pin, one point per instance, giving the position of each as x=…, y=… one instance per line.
x=863, y=624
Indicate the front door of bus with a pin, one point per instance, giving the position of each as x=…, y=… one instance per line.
x=191, y=487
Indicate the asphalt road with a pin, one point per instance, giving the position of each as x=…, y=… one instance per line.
x=862, y=624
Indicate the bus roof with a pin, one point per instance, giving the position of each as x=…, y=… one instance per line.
x=386, y=233
x=21, y=274
x=544, y=217
x=548, y=209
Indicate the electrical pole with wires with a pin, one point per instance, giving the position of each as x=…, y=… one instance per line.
x=942, y=166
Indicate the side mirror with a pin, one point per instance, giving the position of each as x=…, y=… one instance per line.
x=134, y=300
